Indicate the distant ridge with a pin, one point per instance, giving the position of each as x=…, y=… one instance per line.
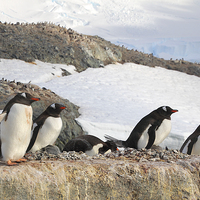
x=55, y=44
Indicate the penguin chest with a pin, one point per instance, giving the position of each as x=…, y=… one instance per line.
x=16, y=131
x=163, y=131
x=48, y=133
x=94, y=150
x=196, y=147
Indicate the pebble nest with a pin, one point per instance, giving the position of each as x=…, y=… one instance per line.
x=143, y=155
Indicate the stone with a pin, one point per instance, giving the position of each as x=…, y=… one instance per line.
x=101, y=179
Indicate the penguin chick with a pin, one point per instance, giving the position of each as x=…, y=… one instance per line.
x=191, y=145
x=46, y=128
x=90, y=145
x=16, y=123
x=150, y=130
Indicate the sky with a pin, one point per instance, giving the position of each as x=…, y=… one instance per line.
x=114, y=98
x=166, y=28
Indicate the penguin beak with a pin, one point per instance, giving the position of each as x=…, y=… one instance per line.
x=173, y=111
x=62, y=108
x=35, y=99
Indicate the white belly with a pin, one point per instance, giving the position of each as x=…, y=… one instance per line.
x=196, y=147
x=48, y=133
x=163, y=131
x=144, y=139
x=16, y=132
x=94, y=150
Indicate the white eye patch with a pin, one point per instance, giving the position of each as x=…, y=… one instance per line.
x=164, y=108
x=53, y=106
x=23, y=94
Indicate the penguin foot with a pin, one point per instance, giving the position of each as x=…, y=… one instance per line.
x=10, y=163
x=21, y=160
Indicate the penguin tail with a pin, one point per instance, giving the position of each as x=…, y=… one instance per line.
x=118, y=143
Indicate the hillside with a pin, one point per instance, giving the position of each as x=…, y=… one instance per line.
x=55, y=44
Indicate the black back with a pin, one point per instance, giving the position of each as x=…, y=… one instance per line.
x=193, y=139
x=78, y=145
x=86, y=142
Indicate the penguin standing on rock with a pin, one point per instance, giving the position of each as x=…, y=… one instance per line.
x=191, y=145
x=150, y=130
x=46, y=128
x=16, y=123
x=90, y=145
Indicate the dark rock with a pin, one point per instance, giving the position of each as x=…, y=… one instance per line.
x=51, y=149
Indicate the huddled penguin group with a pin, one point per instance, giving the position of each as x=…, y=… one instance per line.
x=20, y=134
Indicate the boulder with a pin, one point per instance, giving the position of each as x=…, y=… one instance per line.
x=101, y=179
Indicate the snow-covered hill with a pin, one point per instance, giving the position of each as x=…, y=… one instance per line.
x=113, y=99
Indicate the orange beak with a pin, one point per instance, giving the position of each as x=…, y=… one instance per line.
x=35, y=99
x=62, y=107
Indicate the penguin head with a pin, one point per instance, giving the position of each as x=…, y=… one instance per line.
x=55, y=109
x=25, y=98
x=166, y=111
x=108, y=145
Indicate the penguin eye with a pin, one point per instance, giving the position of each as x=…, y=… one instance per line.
x=164, y=108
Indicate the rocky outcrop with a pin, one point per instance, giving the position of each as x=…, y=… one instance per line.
x=101, y=179
x=70, y=128
x=54, y=44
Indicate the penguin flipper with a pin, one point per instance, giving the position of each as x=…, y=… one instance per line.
x=119, y=143
x=190, y=146
x=33, y=139
x=2, y=116
x=152, y=136
x=183, y=145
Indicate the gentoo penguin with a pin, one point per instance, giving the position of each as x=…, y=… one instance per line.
x=16, y=123
x=150, y=130
x=46, y=128
x=191, y=145
x=90, y=144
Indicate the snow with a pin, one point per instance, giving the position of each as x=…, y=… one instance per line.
x=113, y=99
x=166, y=28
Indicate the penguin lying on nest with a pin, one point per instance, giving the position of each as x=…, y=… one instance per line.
x=191, y=145
x=150, y=130
x=16, y=123
x=46, y=128
x=90, y=145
